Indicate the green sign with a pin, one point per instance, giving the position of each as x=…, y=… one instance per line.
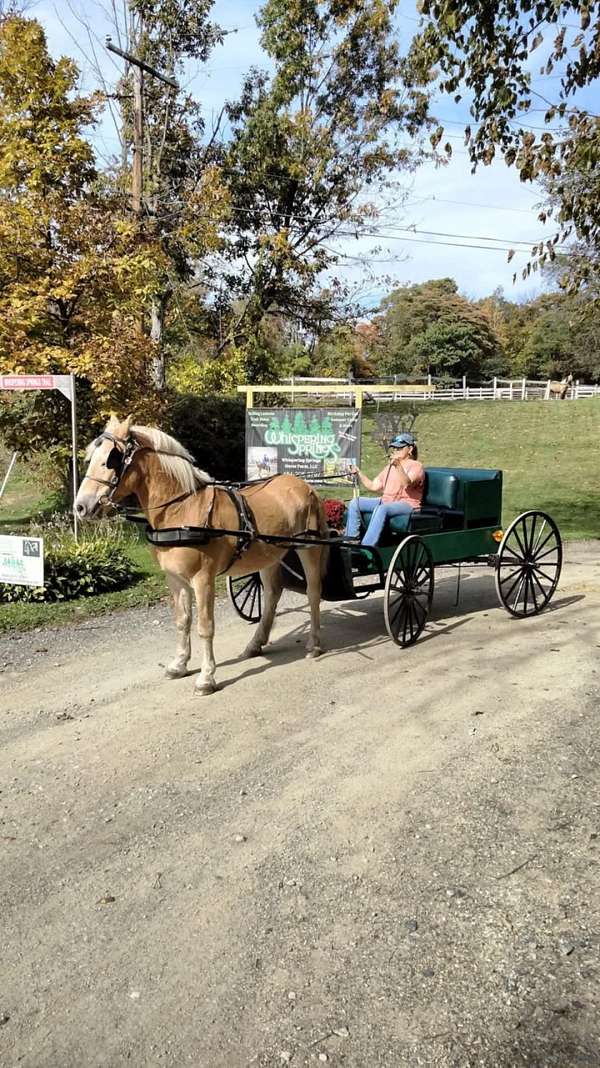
x=308, y=442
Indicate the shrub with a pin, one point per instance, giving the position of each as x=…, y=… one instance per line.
x=213, y=429
x=96, y=564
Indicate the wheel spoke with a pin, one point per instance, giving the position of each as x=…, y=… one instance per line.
x=544, y=593
x=395, y=611
x=246, y=593
x=541, y=556
x=531, y=587
x=542, y=528
x=548, y=578
x=421, y=608
x=545, y=541
x=508, y=551
x=523, y=550
x=253, y=602
x=506, y=578
x=516, y=600
x=529, y=534
x=507, y=594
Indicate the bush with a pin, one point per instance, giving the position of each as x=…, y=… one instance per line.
x=97, y=563
x=213, y=428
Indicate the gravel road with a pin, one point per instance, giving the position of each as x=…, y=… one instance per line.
x=381, y=857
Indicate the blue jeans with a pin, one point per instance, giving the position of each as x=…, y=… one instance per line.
x=379, y=513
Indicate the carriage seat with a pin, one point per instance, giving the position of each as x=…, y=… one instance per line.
x=455, y=498
x=438, y=510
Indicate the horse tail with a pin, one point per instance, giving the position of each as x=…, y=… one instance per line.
x=317, y=522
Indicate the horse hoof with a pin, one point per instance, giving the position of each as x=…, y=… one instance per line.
x=312, y=654
x=205, y=688
x=251, y=651
x=175, y=672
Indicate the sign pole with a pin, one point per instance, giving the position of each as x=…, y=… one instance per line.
x=7, y=475
x=74, y=453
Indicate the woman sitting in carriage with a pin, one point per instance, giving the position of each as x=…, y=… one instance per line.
x=401, y=485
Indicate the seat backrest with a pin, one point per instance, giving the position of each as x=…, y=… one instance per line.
x=475, y=491
x=441, y=488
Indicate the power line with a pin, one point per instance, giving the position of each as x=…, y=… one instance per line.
x=383, y=230
x=471, y=204
x=452, y=244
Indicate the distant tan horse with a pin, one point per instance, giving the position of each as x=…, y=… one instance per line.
x=559, y=390
x=172, y=492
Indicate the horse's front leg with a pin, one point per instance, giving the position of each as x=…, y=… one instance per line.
x=204, y=589
x=181, y=593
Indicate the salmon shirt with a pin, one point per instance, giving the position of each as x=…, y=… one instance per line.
x=388, y=484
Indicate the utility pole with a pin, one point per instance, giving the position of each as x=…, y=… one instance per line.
x=137, y=170
x=139, y=67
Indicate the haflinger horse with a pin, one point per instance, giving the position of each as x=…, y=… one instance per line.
x=173, y=492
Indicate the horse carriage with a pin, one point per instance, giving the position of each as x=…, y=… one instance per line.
x=459, y=523
x=272, y=534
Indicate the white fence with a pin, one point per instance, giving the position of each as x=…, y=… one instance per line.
x=496, y=389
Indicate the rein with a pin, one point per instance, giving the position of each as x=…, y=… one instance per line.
x=121, y=456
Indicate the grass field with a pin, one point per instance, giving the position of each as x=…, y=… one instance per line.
x=549, y=453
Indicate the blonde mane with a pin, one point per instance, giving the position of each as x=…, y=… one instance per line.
x=174, y=459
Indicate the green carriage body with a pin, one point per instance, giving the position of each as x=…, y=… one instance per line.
x=459, y=522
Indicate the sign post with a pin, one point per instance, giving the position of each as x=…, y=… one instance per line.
x=8, y=473
x=65, y=384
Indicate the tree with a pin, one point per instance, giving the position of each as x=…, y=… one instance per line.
x=305, y=144
x=70, y=277
x=486, y=50
x=418, y=325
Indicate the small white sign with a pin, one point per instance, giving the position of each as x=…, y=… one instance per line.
x=21, y=560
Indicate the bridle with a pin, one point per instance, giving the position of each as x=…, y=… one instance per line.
x=118, y=460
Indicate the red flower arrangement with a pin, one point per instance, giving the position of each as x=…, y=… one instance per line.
x=334, y=512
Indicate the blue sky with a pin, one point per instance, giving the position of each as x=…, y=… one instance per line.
x=491, y=208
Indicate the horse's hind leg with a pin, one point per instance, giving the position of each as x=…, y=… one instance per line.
x=272, y=588
x=181, y=592
x=311, y=562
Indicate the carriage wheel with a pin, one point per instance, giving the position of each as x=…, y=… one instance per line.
x=408, y=590
x=245, y=594
x=528, y=564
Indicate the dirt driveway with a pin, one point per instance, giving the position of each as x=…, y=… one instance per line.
x=383, y=857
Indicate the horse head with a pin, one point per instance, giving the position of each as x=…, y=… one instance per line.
x=108, y=478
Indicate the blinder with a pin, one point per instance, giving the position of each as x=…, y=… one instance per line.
x=115, y=459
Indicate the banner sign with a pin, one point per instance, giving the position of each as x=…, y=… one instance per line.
x=21, y=560
x=60, y=382
x=307, y=442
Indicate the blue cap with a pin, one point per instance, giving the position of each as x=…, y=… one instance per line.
x=401, y=440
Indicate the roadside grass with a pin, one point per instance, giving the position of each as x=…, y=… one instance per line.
x=25, y=498
x=549, y=453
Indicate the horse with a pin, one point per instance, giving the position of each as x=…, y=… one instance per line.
x=173, y=492
x=263, y=467
x=559, y=390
